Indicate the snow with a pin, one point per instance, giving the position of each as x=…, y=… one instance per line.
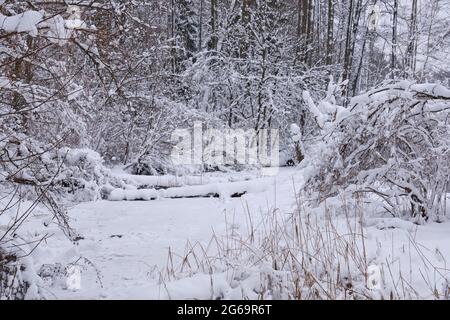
x=318, y=115
x=74, y=156
x=57, y=32
x=24, y=22
x=222, y=190
x=296, y=133
x=4, y=82
x=75, y=24
x=325, y=223
x=125, y=245
x=130, y=195
x=126, y=241
x=179, y=181
x=433, y=89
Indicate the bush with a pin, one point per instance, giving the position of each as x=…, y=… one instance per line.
x=393, y=143
x=12, y=286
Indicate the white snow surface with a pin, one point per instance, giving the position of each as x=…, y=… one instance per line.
x=125, y=244
x=24, y=22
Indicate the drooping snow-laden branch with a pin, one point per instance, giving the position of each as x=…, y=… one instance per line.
x=395, y=144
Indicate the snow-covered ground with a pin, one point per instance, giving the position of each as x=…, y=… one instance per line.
x=126, y=243
x=125, y=246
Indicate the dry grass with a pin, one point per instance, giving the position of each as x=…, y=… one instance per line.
x=303, y=255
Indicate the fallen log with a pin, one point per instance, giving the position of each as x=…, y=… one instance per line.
x=217, y=190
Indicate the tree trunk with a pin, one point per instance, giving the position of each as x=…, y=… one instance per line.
x=172, y=35
x=200, y=27
x=347, y=50
x=410, y=59
x=213, y=25
x=394, y=40
x=330, y=29
x=310, y=31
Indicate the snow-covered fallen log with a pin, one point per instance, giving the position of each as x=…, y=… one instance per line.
x=171, y=181
x=215, y=190
x=159, y=182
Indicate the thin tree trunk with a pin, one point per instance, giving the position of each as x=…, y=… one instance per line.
x=172, y=34
x=305, y=16
x=213, y=25
x=347, y=50
x=299, y=18
x=302, y=28
x=410, y=59
x=200, y=27
x=358, y=12
x=394, y=40
x=310, y=32
x=361, y=61
x=330, y=31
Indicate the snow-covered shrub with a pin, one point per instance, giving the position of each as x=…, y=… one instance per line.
x=394, y=143
x=82, y=174
x=12, y=286
x=37, y=175
x=71, y=174
x=18, y=279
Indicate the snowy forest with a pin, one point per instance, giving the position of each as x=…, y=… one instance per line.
x=92, y=94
